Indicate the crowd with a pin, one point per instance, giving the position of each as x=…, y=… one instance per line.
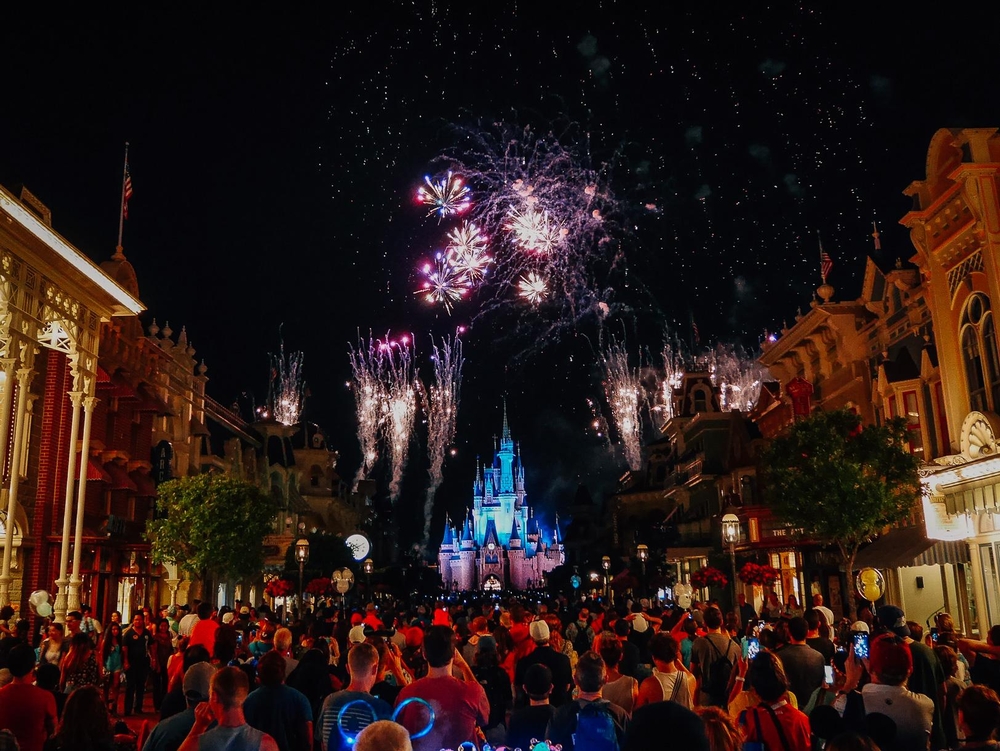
x=496, y=673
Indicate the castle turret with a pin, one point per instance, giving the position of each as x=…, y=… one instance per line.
x=515, y=536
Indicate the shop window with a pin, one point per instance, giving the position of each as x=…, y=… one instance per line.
x=911, y=412
x=979, y=353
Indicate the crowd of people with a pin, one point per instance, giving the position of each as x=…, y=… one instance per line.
x=499, y=672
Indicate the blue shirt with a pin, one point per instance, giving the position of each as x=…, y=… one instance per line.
x=169, y=734
x=359, y=718
x=282, y=712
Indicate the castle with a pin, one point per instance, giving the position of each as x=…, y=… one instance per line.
x=499, y=545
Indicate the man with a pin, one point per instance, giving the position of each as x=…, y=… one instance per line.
x=279, y=710
x=544, y=654
x=175, y=702
x=813, y=638
x=670, y=680
x=459, y=705
x=136, y=642
x=189, y=621
x=480, y=627
x=73, y=620
x=243, y=625
x=631, y=658
x=19, y=635
x=169, y=734
x=827, y=613
x=229, y=689
x=90, y=625
x=706, y=651
x=27, y=711
x=927, y=676
x=362, y=664
x=891, y=664
x=371, y=617
x=803, y=665
x=384, y=735
x=588, y=707
x=747, y=614
x=579, y=633
x=203, y=633
x=527, y=723
x=283, y=646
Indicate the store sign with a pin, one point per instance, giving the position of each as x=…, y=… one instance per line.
x=944, y=526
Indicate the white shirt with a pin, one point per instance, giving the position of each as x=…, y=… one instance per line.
x=187, y=624
x=827, y=613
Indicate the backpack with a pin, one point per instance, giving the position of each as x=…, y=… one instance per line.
x=717, y=681
x=595, y=728
x=496, y=684
x=583, y=639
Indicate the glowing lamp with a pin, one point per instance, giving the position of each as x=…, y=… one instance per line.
x=643, y=552
x=302, y=550
x=730, y=529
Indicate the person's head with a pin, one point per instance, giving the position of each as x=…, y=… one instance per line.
x=890, y=618
x=73, y=619
x=979, y=712
x=818, y=601
x=116, y=617
x=713, y=619
x=85, y=721
x=664, y=648
x=439, y=647
x=194, y=655
x=21, y=660
x=163, y=627
x=813, y=618
x=945, y=622
x=486, y=652
x=56, y=631
x=916, y=630
x=891, y=662
x=479, y=625
x=993, y=636
x=282, y=639
x=362, y=662
x=47, y=676
x=138, y=622
x=81, y=643
x=590, y=674
x=538, y=682
x=271, y=669
x=797, y=629
x=723, y=735
x=850, y=741
x=767, y=676
x=383, y=735
x=793, y=601
x=539, y=631
x=229, y=689
x=6, y=613
x=610, y=650
x=205, y=611
x=948, y=658
x=115, y=628
x=741, y=599
x=197, y=683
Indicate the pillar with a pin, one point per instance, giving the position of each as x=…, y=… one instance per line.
x=62, y=592
x=24, y=376
x=81, y=501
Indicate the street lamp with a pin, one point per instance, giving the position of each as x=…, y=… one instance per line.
x=731, y=536
x=368, y=567
x=642, y=551
x=606, y=565
x=301, y=555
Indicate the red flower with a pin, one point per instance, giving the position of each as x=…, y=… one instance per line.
x=760, y=575
x=709, y=577
x=319, y=586
x=279, y=588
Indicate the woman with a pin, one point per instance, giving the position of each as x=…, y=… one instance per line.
x=723, y=735
x=793, y=609
x=312, y=679
x=619, y=689
x=559, y=642
x=111, y=659
x=162, y=649
x=55, y=647
x=80, y=668
x=6, y=613
x=772, y=607
x=85, y=724
x=774, y=722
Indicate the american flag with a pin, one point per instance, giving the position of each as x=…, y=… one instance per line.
x=127, y=191
x=825, y=262
x=695, y=334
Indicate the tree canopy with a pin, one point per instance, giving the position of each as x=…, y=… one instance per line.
x=212, y=523
x=841, y=482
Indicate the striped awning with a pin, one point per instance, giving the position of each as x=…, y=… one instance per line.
x=974, y=497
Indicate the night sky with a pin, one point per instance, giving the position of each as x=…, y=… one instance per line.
x=275, y=158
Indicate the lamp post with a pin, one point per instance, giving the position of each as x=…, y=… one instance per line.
x=368, y=566
x=606, y=565
x=301, y=555
x=642, y=552
x=731, y=536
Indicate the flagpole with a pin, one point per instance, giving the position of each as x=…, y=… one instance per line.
x=819, y=239
x=121, y=207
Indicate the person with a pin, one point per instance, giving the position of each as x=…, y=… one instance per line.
x=670, y=680
x=90, y=625
x=711, y=679
x=228, y=690
x=543, y=653
x=653, y=725
x=803, y=665
x=362, y=662
x=823, y=610
x=619, y=689
x=589, y=677
x=203, y=633
x=496, y=684
x=580, y=635
x=459, y=705
x=384, y=735
x=815, y=636
x=983, y=658
x=47, y=677
x=54, y=648
x=79, y=667
x=979, y=717
x=171, y=732
x=312, y=678
x=6, y=614
x=136, y=643
x=723, y=735
x=952, y=688
x=774, y=722
x=174, y=702
x=890, y=665
x=19, y=635
x=283, y=646
x=529, y=723
x=631, y=658
x=748, y=615
x=279, y=710
x=187, y=623
x=265, y=639
x=772, y=607
x=85, y=725
x=112, y=660
x=28, y=711
x=792, y=607
x=160, y=654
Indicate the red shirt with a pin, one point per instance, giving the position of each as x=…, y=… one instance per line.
x=458, y=706
x=204, y=634
x=758, y=725
x=29, y=713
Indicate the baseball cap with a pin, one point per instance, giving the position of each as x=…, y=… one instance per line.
x=860, y=627
x=244, y=610
x=356, y=635
x=197, y=680
x=228, y=617
x=583, y=615
x=639, y=624
x=893, y=619
x=539, y=630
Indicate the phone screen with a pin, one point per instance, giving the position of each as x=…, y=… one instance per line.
x=828, y=675
x=753, y=647
x=934, y=635
x=861, y=646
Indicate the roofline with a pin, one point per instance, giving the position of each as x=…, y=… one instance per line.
x=126, y=304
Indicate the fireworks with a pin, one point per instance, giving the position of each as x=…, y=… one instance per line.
x=442, y=416
x=532, y=288
x=444, y=282
x=287, y=390
x=535, y=231
x=369, y=396
x=400, y=407
x=623, y=391
x=673, y=373
x=466, y=240
x=738, y=376
x=445, y=197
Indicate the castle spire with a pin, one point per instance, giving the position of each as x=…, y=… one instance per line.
x=506, y=428
x=877, y=236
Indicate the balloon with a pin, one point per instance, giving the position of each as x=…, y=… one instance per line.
x=44, y=610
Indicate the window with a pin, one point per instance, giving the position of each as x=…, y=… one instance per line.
x=911, y=412
x=979, y=352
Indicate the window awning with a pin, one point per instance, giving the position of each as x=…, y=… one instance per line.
x=898, y=547
x=145, y=487
x=119, y=477
x=94, y=471
x=975, y=497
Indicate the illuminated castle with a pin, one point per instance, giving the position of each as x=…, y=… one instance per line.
x=499, y=544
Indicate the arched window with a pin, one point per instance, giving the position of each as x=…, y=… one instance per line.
x=979, y=352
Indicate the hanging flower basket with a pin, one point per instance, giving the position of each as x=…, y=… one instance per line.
x=279, y=588
x=758, y=574
x=709, y=577
x=319, y=587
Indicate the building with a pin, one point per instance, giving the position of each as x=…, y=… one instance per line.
x=499, y=544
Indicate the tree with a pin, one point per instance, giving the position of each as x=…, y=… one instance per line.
x=212, y=524
x=839, y=482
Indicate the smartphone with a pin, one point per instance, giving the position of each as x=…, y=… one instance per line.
x=934, y=635
x=860, y=641
x=828, y=675
x=753, y=647
x=239, y=638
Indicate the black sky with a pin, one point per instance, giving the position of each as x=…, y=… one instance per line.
x=274, y=159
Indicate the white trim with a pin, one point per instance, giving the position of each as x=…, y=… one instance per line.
x=76, y=259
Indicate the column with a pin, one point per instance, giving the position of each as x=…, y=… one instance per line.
x=24, y=376
x=62, y=592
x=81, y=502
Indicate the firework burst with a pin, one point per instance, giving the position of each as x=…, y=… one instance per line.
x=399, y=408
x=287, y=391
x=442, y=416
x=535, y=231
x=532, y=288
x=445, y=197
x=444, y=283
x=624, y=398
x=367, y=366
